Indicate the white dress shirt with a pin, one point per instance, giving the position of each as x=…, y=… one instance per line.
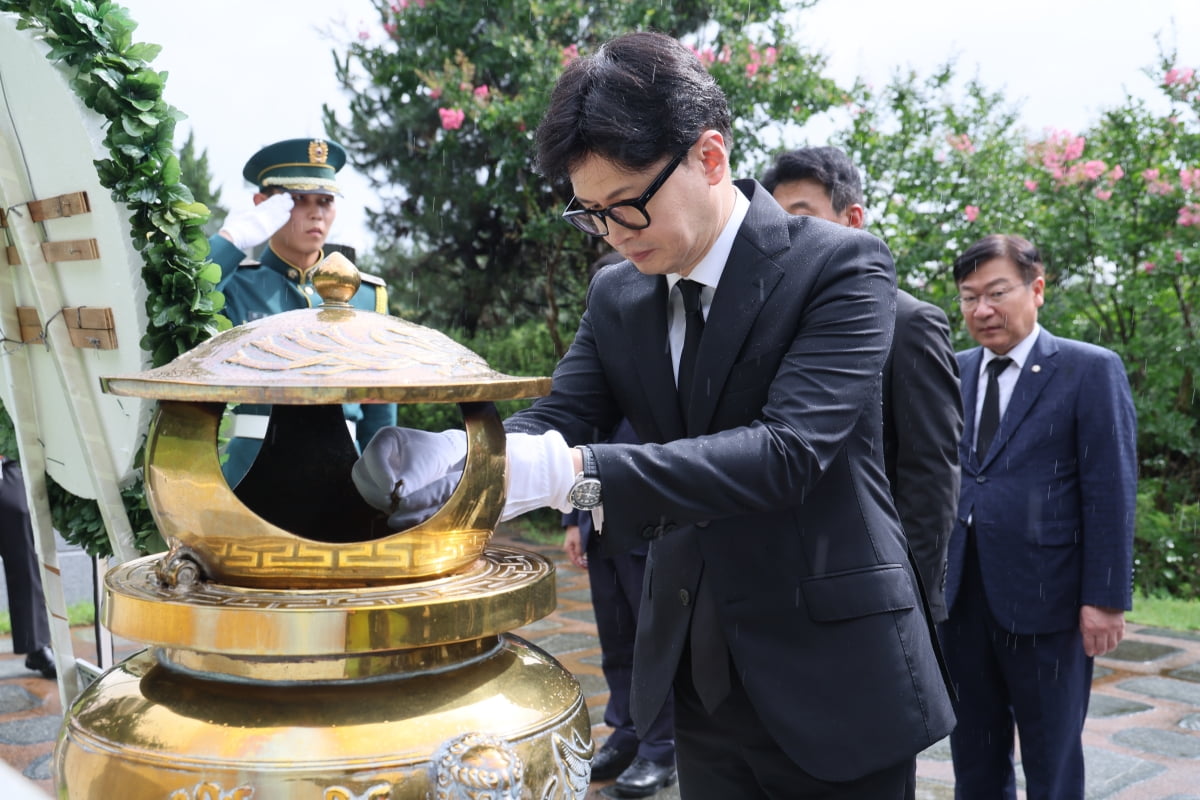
x=1007, y=380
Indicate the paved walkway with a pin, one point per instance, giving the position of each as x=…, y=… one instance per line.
x=1142, y=738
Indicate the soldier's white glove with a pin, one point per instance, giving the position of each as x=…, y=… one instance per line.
x=539, y=473
x=251, y=228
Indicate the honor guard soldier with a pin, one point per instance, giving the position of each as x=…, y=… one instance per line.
x=294, y=208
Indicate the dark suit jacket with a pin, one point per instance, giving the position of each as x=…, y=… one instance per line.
x=775, y=492
x=922, y=423
x=1053, y=503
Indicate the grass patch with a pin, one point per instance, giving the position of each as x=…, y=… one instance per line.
x=78, y=614
x=1165, y=612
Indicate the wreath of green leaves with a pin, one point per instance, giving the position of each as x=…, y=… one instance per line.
x=110, y=74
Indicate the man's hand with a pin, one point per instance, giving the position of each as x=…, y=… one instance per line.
x=409, y=474
x=573, y=547
x=1102, y=628
x=251, y=228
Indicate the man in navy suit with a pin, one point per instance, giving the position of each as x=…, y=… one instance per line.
x=1040, y=563
x=744, y=345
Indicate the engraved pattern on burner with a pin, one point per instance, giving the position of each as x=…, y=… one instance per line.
x=501, y=569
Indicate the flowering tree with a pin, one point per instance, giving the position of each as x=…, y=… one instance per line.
x=445, y=97
x=1115, y=212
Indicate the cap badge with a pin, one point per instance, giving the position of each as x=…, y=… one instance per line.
x=318, y=152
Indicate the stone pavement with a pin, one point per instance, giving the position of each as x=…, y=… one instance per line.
x=1141, y=740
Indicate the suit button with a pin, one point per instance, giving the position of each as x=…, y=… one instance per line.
x=980, y=479
x=684, y=597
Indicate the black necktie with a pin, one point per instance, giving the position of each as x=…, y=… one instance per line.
x=694, y=321
x=989, y=418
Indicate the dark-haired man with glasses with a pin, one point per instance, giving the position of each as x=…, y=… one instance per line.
x=745, y=346
x=1041, y=559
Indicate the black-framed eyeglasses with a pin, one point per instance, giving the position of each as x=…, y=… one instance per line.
x=630, y=214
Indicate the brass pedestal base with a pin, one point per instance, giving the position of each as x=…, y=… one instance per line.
x=412, y=692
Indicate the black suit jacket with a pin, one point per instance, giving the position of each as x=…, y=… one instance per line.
x=922, y=423
x=775, y=492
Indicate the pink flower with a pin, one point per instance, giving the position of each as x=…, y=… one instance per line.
x=971, y=213
x=1189, y=178
x=771, y=56
x=1116, y=173
x=1150, y=174
x=1031, y=185
x=452, y=118
x=570, y=53
x=1103, y=194
x=435, y=92
x=363, y=35
x=1074, y=148
x=1093, y=169
x=1147, y=267
x=1189, y=215
x=1178, y=76
x=726, y=54
x=1160, y=188
x=751, y=69
x=1178, y=256
x=481, y=91
x=390, y=28
x=961, y=142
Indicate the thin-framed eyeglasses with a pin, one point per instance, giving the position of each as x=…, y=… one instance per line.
x=994, y=297
x=631, y=214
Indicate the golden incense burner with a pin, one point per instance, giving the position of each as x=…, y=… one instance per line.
x=297, y=648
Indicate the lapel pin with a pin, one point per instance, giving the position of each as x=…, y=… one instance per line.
x=1036, y=368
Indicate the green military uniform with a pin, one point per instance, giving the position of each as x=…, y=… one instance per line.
x=256, y=289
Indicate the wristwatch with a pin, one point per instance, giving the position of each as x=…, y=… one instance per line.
x=585, y=492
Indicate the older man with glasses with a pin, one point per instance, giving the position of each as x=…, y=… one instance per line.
x=1041, y=561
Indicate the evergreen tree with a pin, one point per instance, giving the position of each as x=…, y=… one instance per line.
x=196, y=175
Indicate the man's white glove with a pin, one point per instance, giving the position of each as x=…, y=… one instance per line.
x=251, y=228
x=540, y=473
x=408, y=473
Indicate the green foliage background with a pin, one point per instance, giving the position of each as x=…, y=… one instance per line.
x=469, y=237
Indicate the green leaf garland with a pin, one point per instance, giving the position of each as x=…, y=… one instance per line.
x=109, y=72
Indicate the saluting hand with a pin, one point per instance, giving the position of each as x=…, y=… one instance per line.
x=251, y=228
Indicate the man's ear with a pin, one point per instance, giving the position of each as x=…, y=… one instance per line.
x=259, y=197
x=856, y=216
x=714, y=156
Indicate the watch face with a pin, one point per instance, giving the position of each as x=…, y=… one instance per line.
x=585, y=494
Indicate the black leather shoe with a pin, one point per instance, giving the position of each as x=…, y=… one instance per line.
x=42, y=660
x=644, y=778
x=611, y=762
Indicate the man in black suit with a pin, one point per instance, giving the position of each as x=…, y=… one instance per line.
x=779, y=602
x=23, y=577
x=922, y=404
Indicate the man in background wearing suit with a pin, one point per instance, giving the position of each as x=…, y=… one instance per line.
x=22, y=573
x=744, y=345
x=1040, y=563
x=922, y=401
